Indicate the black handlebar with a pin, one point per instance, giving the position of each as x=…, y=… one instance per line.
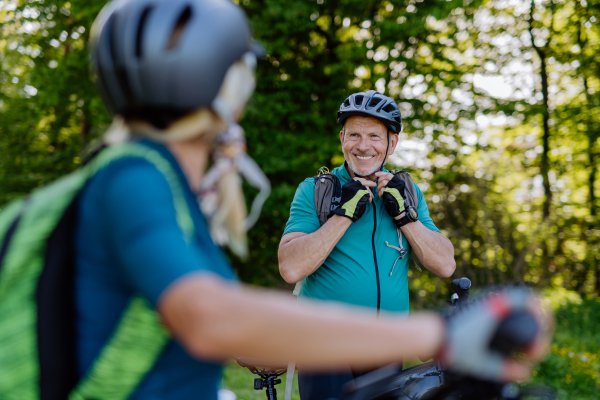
x=461, y=287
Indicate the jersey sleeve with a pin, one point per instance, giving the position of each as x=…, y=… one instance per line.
x=142, y=234
x=303, y=216
x=423, y=211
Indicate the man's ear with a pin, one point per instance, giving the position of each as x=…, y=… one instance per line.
x=342, y=134
x=393, y=143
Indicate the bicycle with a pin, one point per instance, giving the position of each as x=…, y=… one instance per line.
x=430, y=381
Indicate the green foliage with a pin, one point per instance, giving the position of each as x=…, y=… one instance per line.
x=510, y=179
x=47, y=101
x=573, y=365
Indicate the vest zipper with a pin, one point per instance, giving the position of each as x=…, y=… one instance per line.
x=375, y=256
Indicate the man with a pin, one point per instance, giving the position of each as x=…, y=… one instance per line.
x=350, y=258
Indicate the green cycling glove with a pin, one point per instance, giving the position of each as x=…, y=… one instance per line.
x=355, y=197
x=393, y=197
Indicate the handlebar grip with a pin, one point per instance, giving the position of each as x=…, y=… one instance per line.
x=460, y=285
x=515, y=333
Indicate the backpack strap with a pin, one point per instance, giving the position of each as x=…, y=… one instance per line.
x=327, y=197
x=328, y=194
x=411, y=194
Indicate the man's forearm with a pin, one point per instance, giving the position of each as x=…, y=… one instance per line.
x=433, y=249
x=301, y=254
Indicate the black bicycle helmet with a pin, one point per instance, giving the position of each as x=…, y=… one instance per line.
x=161, y=59
x=371, y=104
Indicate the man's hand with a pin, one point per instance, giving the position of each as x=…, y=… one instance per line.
x=382, y=181
x=355, y=195
x=393, y=196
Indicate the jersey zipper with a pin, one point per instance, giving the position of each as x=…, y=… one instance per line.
x=375, y=256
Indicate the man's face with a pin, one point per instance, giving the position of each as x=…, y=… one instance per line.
x=364, y=143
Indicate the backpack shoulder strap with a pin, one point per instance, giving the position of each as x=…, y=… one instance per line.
x=328, y=194
x=411, y=194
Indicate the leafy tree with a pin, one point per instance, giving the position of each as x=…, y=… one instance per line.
x=511, y=179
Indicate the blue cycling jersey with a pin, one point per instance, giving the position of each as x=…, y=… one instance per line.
x=128, y=242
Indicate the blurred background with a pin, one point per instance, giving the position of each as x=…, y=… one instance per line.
x=501, y=109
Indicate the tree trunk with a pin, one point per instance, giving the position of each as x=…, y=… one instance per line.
x=545, y=165
x=592, y=135
x=545, y=162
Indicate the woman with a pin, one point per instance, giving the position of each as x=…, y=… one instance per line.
x=177, y=75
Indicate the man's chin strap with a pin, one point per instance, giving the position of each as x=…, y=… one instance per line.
x=387, y=148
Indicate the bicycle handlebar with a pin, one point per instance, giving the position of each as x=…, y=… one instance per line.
x=462, y=288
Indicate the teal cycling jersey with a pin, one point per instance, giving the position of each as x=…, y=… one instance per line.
x=359, y=269
x=128, y=242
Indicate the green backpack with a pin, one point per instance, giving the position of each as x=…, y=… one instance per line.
x=37, y=334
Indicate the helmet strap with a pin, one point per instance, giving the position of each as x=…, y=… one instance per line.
x=386, y=151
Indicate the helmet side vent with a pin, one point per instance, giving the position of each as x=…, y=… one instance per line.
x=374, y=101
x=389, y=108
x=140, y=32
x=179, y=27
x=358, y=100
x=347, y=103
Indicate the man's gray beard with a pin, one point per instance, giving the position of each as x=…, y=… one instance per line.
x=358, y=174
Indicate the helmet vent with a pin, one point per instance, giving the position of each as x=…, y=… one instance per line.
x=347, y=103
x=389, y=108
x=140, y=32
x=374, y=101
x=179, y=27
x=358, y=100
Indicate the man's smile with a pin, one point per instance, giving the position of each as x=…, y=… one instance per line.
x=364, y=157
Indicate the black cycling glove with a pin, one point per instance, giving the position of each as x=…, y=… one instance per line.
x=355, y=197
x=393, y=197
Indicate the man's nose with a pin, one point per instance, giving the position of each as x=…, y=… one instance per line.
x=364, y=144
